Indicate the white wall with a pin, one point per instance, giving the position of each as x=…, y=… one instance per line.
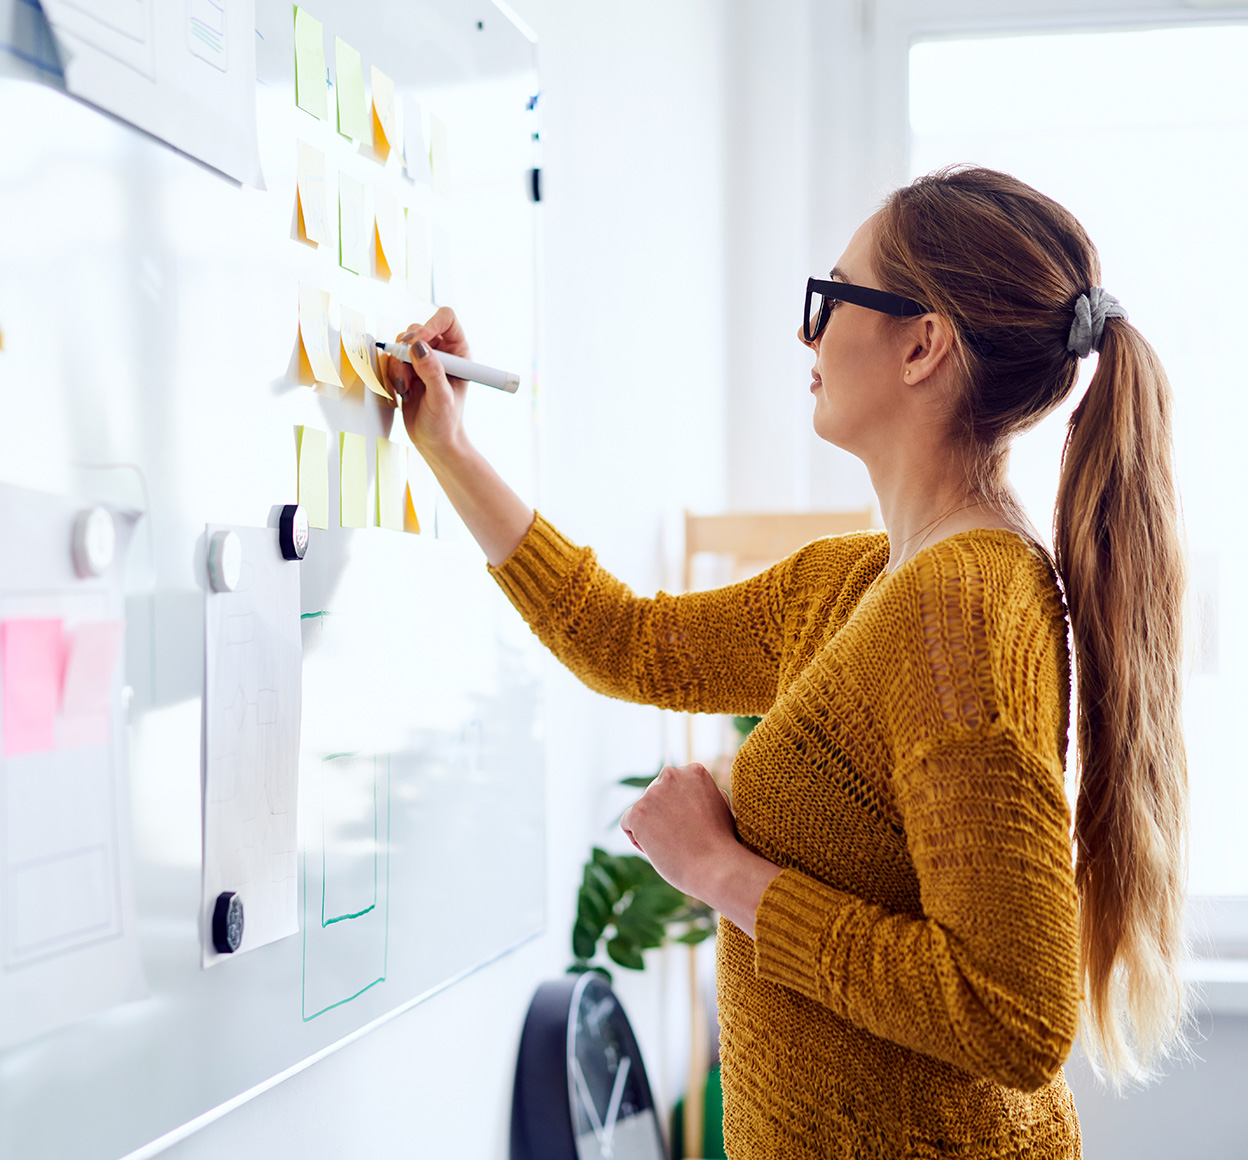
x=632, y=386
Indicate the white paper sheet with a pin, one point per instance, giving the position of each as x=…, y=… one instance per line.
x=68, y=944
x=185, y=72
x=253, y=657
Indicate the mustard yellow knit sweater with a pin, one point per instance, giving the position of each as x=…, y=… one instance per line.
x=912, y=987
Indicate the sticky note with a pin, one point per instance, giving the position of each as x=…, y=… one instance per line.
x=93, y=649
x=354, y=229
x=389, y=243
x=443, y=289
x=415, y=151
x=310, y=77
x=419, y=263
x=361, y=350
x=418, y=496
x=391, y=484
x=349, y=84
x=385, y=113
x=314, y=333
x=314, y=475
x=438, y=161
x=31, y=657
x=353, y=481
x=313, y=212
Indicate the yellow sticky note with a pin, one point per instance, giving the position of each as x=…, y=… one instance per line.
x=314, y=475
x=389, y=245
x=361, y=351
x=313, y=214
x=419, y=262
x=314, y=333
x=415, y=151
x=418, y=496
x=310, y=80
x=391, y=484
x=354, y=229
x=353, y=481
x=385, y=113
x=438, y=161
x=349, y=84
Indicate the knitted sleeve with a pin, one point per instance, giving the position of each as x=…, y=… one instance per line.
x=713, y=652
x=986, y=976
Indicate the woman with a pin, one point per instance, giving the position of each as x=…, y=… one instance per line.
x=905, y=942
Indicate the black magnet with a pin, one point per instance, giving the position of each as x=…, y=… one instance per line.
x=293, y=531
x=227, y=923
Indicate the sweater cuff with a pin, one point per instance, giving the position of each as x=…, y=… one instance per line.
x=791, y=931
x=534, y=572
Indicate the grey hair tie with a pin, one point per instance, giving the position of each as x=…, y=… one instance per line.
x=1091, y=310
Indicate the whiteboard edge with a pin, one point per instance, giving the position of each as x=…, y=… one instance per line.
x=177, y=1135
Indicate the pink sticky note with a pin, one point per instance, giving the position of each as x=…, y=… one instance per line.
x=93, y=649
x=31, y=654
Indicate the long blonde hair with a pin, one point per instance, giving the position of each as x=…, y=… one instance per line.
x=1005, y=265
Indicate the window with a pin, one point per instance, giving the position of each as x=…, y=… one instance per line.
x=1144, y=136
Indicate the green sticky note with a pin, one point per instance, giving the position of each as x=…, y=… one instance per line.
x=353, y=481
x=352, y=107
x=391, y=484
x=310, y=81
x=314, y=476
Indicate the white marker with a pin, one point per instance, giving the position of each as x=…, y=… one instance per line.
x=460, y=368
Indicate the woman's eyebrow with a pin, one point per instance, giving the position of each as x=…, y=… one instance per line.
x=836, y=272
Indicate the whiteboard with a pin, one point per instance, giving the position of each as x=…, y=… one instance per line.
x=148, y=308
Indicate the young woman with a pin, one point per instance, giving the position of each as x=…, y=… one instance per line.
x=906, y=941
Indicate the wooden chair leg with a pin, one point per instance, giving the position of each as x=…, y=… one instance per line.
x=699, y=1063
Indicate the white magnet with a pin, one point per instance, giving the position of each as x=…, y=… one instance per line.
x=225, y=561
x=95, y=542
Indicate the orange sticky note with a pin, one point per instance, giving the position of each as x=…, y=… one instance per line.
x=314, y=476
x=361, y=352
x=391, y=485
x=385, y=113
x=353, y=481
x=419, y=260
x=389, y=244
x=313, y=214
x=314, y=333
x=418, y=496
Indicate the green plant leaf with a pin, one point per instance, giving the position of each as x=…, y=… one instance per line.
x=640, y=781
x=591, y=908
x=584, y=940
x=744, y=725
x=626, y=953
x=697, y=935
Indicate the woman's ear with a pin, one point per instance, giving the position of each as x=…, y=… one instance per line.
x=929, y=344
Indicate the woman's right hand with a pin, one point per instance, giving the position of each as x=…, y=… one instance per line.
x=433, y=404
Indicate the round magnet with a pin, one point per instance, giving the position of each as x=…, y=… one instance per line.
x=225, y=561
x=293, y=531
x=227, y=923
x=95, y=542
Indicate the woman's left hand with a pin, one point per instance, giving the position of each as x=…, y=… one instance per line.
x=683, y=824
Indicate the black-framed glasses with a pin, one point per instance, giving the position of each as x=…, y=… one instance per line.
x=821, y=294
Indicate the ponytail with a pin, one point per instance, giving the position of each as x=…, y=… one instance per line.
x=1119, y=551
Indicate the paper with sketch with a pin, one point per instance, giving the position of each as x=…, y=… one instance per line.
x=68, y=942
x=253, y=653
x=185, y=73
x=314, y=334
x=361, y=351
x=310, y=187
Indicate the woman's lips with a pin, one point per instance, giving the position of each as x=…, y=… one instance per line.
x=815, y=381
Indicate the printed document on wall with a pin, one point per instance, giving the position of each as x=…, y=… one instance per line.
x=253, y=658
x=68, y=941
x=184, y=72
